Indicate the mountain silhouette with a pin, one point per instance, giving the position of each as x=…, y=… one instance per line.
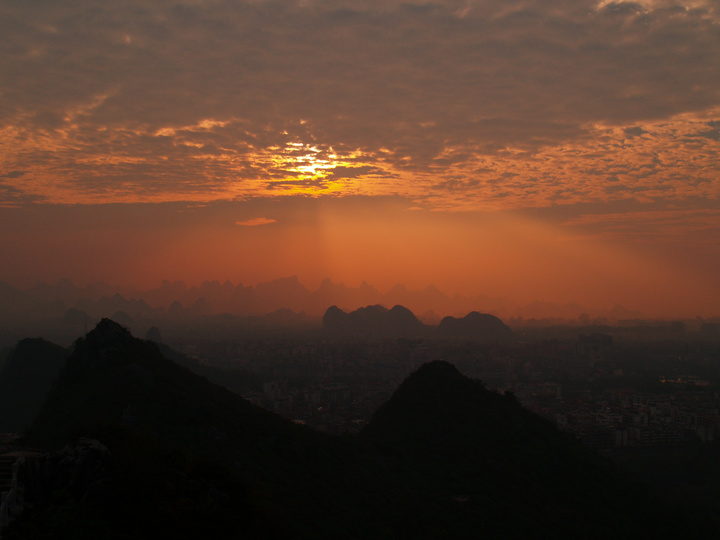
x=373, y=322
x=75, y=317
x=176, y=456
x=475, y=327
x=112, y=378
x=25, y=379
x=284, y=293
x=498, y=468
x=189, y=458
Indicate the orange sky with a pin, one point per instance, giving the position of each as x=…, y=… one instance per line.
x=541, y=150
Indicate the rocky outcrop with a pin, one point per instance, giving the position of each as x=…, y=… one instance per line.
x=33, y=480
x=80, y=470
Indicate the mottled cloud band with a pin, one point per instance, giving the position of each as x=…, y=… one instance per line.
x=479, y=104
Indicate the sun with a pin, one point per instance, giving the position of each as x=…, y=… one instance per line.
x=299, y=164
x=310, y=160
x=302, y=168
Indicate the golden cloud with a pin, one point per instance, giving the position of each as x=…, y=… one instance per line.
x=255, y=222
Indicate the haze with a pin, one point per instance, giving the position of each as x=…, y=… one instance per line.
x=549, y=150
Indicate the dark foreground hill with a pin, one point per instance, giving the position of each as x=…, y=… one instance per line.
x=25, y=379
x=186, y=457
x=176, y=456
x=500, y=469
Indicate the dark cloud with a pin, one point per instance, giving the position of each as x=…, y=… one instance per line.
x=12, y=174
x=185, y=96
x=713, y=133
x=11, y=196
x=355, y=172
x=634, y=131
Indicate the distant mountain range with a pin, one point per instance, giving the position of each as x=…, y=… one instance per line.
x=212, y=297
x=399, y=322
x=373, y=322
x=167, y=453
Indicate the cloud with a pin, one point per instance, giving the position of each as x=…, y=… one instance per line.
x=355, y=172
x=255, y=222
x=11, y=196
x=204, y=101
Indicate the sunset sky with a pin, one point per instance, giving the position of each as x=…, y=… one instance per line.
x=555, y=150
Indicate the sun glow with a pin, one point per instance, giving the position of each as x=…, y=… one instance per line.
x=308, y=169
x=311, y=160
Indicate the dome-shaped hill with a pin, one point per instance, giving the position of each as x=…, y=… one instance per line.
x=475, y=327
x=373, y=322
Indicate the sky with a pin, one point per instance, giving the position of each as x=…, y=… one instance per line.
x=552, y=150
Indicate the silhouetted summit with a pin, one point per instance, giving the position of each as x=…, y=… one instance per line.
x=107, y=333
x=373, y=322
x=437, y=405
x=108, y=342
x=191, y=459
x=113, y=378
x=496, y=466
x=476, y=327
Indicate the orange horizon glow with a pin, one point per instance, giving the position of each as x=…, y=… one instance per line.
x=499, y=255
x=564, y=153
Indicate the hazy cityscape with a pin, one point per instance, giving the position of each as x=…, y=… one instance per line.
x=612, y=382
x=642, y=393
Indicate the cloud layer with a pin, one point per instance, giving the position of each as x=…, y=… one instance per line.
x=454, y=104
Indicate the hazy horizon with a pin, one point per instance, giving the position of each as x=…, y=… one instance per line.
x=291, y=293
